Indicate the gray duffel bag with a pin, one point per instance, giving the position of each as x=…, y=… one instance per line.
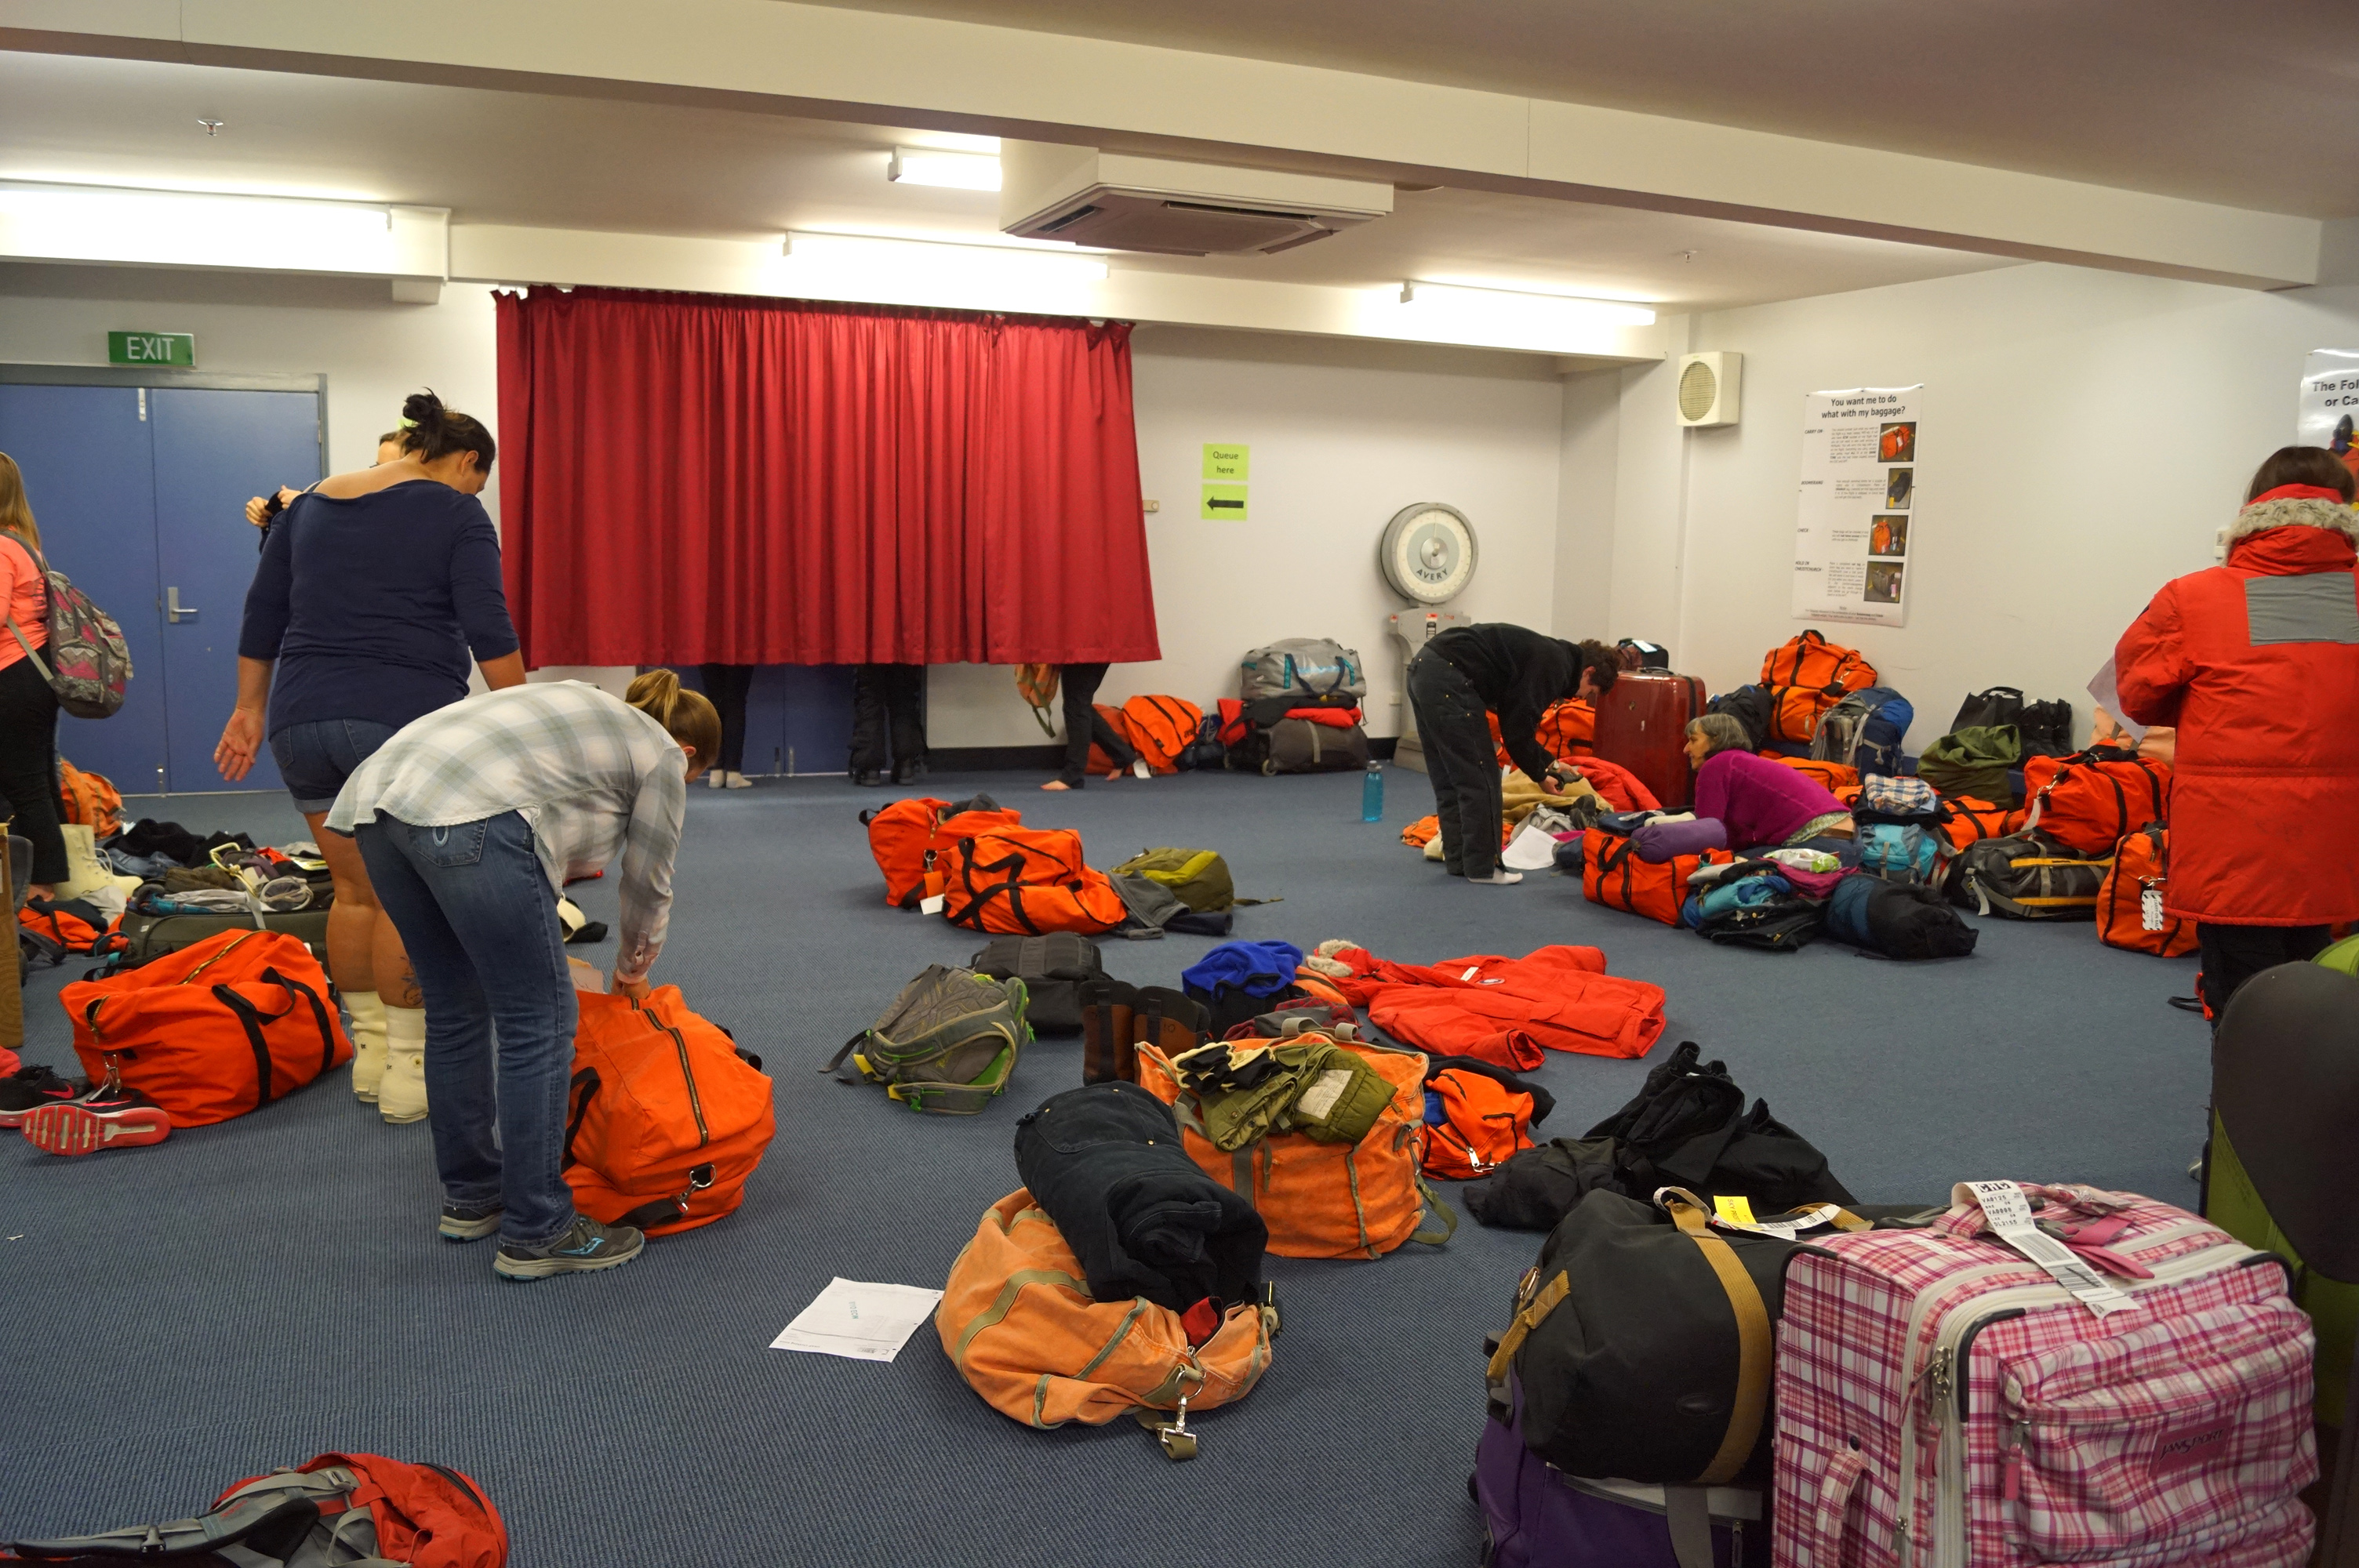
x=1308, y=666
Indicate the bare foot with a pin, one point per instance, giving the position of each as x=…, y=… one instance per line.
x=1055, y=783
x=1114, y=776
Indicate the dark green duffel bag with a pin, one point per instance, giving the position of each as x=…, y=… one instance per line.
x=1975, y=761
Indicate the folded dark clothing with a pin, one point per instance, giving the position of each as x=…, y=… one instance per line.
x=1537, y=1187
x=215, y=841
x=1104, y=1162
x=148, y=837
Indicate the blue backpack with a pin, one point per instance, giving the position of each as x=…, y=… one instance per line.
x=1898, y=851
x=1865, y=730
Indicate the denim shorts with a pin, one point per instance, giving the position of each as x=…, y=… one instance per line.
x=316, y=757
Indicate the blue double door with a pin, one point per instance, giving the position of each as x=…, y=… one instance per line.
x=140, y=493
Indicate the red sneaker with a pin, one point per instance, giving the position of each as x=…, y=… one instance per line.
x=103, y=1118
x=28, y=1090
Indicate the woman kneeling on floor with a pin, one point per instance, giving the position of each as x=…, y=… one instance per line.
x=1761, y=802
x=471, y=819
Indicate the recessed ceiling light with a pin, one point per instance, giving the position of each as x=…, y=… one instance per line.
x=929, y=166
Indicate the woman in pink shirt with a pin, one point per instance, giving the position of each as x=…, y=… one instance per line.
x=1761, y=802
x=28, y=708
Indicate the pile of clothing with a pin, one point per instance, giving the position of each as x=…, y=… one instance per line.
x=226, y=874
x=1506, y=1011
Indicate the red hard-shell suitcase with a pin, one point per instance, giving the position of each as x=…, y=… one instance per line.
x=1642, y=724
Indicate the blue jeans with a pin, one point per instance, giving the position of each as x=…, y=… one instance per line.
x=475, y=912
x=316, y=757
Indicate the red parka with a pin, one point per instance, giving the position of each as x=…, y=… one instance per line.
x=2257, y=662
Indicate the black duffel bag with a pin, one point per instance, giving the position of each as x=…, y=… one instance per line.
x=1053, y=968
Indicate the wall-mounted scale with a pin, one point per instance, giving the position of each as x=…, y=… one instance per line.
x=1428, y=554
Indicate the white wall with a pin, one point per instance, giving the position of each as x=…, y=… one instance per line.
x=1344, y=436
x=2084, y=435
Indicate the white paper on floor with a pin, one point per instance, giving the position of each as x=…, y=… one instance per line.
x=865, y=1322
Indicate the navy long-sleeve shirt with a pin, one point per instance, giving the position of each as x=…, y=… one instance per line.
x=1517, y=673
x=371, y=606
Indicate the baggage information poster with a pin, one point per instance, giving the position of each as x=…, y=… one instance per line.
x=2330, y=401
x=1853, y=541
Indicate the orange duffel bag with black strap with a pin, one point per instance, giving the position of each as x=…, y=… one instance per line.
x=1965, y=820
x=213, y=1031
x=1017, y=1321
x=666, y=1118
x=1324, y=1199
x=1613, y=874
x=909, y=836
x=2141, y=861
x=1161, y=728
x=1809, y=659
x=2090, y=800
x=1025, y=881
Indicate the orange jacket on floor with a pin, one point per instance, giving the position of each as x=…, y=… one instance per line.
x=1505, y=1010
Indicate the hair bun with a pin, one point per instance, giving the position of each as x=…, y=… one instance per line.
x=422, y=408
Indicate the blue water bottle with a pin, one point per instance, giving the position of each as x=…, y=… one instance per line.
x=1372, y=794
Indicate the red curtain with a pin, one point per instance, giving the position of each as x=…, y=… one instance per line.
x=691, y=478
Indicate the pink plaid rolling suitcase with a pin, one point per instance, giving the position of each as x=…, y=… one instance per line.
x=1943, y=1402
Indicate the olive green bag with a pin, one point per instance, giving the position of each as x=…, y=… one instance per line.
x=1975, y=761
x=947, y=1045
x=1196, y=878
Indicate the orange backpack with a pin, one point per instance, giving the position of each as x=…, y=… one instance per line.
x=1483, y=1123
x=1024, y=882
x=1613, y=874
x=65, y=923
x=666, y=1118
x=1833, y=775
x=213, y=1031
x=1037, y=685
x=90, y=799
x=428, y=1515
x=1325, y=1200
x=1017, y=1321
x=2092, y=800
x=2142, y=861
x=909, y=836
x=1161, y=728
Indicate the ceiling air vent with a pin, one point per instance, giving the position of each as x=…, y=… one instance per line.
x=1115, y=202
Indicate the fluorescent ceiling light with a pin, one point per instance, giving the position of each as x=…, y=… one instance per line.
x=864, y=261
x=1509, y=308
x=166, y=228
x=931, y=166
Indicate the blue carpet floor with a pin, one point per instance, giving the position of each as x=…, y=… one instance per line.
x=246, y=1295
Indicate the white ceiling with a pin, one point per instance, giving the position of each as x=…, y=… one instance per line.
x=2246, y=102
x=569, y=162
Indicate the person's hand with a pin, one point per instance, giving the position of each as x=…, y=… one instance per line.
x=1548, y=783
x=256, y=511
x=241, y=739
x=636, y=990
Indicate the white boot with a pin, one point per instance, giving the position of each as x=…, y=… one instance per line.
x=401, y=1097
x=368, y=1043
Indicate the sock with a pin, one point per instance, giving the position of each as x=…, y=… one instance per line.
x=405, y=1028
x=368, y=1017
x=1497, y=879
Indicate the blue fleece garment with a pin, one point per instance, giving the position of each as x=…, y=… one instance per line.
x=1256, y=969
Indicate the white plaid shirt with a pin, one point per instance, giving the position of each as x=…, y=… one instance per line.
x=594, y=776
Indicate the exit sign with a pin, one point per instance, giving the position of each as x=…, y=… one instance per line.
x=152, y=349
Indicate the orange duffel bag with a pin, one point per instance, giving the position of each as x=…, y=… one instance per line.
x=1161, y=728
x=218, y=1029
x=909, y=836
x=1566, y=731
x=1966, y=820
x=1017, y=1321
x=2141, y=861
x=1320, y=1199
x=1809, y=659
x=1831, y=776
x=1024, y=881
x=666, y=1118
x=2090, y=800
x=1613, y=874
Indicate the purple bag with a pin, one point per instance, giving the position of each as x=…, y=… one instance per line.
x=1660, y=841
x=1538, y=1516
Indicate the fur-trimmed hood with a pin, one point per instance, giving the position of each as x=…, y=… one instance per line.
x=2295, y=512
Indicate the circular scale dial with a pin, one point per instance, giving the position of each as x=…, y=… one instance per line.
x=1427, y=552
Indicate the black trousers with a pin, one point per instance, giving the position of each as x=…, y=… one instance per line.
x=726, y=685
x=28, y=763
x=2234, y=953
x=1078, y=685
x=1462, y=762
x=888, y=702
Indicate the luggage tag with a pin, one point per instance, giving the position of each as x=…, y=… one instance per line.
x=2150, y=907
x=1736, y=1214
x=932, y=905
x=2008, y=1214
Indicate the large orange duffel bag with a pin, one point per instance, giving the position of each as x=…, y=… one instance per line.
x=1158, y=728
x=909, y=836
x=213, y=1031
x=1809, y=659
x=1967, y=821
x=2092, y=800
x=2141, y=861
x=1613, y=874
x=1017, y=1321
x=666, y=1118
x=1024, y=881
x=1567, y=730
x=1326, y=1200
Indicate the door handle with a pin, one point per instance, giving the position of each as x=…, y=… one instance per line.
x=174, y=609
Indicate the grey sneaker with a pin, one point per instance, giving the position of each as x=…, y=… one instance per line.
x=580, y=1247
x=469, y=1222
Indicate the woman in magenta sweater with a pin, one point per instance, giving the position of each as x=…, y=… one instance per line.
x=1761, y=802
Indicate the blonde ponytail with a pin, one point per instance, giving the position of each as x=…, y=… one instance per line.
x=686, y=715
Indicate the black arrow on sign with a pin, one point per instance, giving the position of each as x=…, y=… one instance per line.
x=1237, y=505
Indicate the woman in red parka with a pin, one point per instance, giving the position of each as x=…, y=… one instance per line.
x=2257, y=662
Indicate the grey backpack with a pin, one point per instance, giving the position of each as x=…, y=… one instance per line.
x=947, y=1045
x=1305, y=666
x=2028, y=876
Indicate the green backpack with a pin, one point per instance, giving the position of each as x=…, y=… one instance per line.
x=1196, y=878
x=1975, y=761
x=947, y=1045
x=2343, y=958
